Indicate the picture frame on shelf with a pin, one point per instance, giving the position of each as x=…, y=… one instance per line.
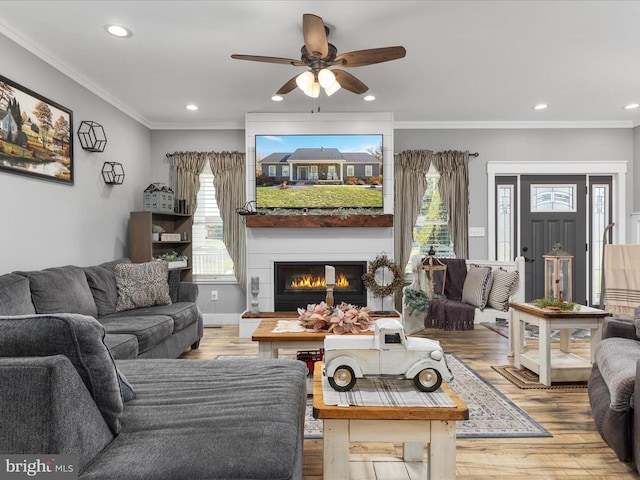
x=35, y=134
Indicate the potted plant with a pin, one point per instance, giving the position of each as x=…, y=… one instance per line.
x=416, y=300
x=174, y=259
x=156, y=230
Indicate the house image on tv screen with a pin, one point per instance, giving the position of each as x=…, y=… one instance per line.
x=320, y=165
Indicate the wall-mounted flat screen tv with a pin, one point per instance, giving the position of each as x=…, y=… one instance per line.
x=319, y=171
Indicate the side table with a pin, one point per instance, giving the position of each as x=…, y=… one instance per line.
x=554, y=365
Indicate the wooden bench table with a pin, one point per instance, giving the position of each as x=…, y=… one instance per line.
x=414, y=426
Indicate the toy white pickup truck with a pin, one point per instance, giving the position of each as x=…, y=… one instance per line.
x=388, y=352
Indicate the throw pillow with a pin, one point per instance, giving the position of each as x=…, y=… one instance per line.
x=504, y=285
x=142, y=285
x=61, y=290
x=15, y=296
x=80, y=338
x=477, y=285
x=102, y=283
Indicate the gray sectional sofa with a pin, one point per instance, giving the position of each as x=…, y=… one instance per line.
x=614, y=387
x=157, y=331
x=145, y=415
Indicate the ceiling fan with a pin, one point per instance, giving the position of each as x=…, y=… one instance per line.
x=318, y=54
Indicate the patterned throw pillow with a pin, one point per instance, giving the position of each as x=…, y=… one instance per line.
x=504, y=285
x=477, y=285
x=142, y=285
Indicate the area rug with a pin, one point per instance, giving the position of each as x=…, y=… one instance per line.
x=501, y=327
x=526, y=379
x=491, y=413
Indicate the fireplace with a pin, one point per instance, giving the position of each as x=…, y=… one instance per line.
x=296, y=284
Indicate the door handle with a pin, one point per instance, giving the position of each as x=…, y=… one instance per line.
x=527, y=259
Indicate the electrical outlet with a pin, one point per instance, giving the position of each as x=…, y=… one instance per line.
x=214, y=295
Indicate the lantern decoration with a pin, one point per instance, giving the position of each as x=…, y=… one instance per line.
x=558, y=274
x=432, y=275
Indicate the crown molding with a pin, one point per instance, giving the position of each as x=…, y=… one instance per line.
x=511, y=125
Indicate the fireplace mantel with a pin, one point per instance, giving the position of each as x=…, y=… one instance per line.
x=314, y=221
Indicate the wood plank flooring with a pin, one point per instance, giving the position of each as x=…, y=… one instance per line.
x=575, y=451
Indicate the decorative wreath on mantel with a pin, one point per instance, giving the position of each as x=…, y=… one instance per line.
x=369, y=278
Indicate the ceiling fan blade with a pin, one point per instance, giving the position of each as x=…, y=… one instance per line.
x=315, y=36
x=258, y=58
x=287, y=87
x=361, y=58
x=349, y=82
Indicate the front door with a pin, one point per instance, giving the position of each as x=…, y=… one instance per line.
x=553, y=211
x=303, y=173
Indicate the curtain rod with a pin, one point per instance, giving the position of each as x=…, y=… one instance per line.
x=475, y=154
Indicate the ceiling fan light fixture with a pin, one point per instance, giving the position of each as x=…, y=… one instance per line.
x=326, y=78
x=305, y=80
x=332, y=89
x=314, y=91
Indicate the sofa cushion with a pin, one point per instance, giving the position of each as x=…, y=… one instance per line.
x=182, y=313
x=616, y=359
x=503, y=286
x=61, y=290
x=224, y=419
x=150, y=330
x=142, y=285
x=102, y=283
x=122, y=346
x=15, y=296
x=78, y=337
x=477, y=285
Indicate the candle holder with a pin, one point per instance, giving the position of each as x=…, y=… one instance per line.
x=329, y=298
x=255, y=290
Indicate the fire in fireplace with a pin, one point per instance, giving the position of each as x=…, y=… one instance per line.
x=298, y=284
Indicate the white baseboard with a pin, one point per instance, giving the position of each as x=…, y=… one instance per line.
x=211, y=319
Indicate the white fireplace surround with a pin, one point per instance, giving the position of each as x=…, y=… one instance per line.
x=328, y=244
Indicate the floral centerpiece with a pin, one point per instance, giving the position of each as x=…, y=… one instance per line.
x=344, y=318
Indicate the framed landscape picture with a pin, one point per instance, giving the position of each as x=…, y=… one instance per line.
x=35, y=134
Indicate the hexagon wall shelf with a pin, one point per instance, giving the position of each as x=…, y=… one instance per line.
x=112, y=173
x=92, y=136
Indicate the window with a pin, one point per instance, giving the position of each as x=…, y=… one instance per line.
x=368, y=170
x=350, y=171
x=551, y=198
x=600, y=218
x=210, y=257
x=285, y=171
x=505, y=224
x=431, y=229
x=272, y=170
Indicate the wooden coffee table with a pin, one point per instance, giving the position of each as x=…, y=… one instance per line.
x=554, y=365
x=413, y=426
x=269, y=343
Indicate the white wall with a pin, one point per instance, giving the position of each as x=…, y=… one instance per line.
x=46, y=224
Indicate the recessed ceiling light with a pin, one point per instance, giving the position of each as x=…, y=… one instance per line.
x=191, y=107
x=369, y=98
x=277, y=98
x=118, y=31
x=540, y=106
x=631, y=106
